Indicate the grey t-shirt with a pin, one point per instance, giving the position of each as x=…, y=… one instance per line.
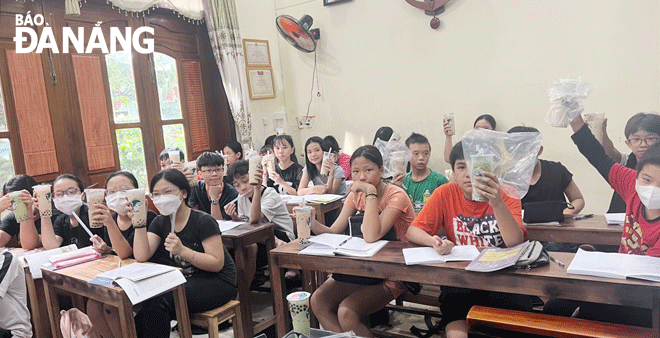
x=339, y=174
x=273, y=207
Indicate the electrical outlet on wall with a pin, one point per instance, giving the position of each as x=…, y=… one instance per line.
x=305, y=122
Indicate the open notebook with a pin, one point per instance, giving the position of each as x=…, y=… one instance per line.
x=427, y=255
x=343, y=245
x=615, y=265
x=141, y=281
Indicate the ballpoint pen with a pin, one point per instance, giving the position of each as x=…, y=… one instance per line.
x=579, y=217
x=561, y=265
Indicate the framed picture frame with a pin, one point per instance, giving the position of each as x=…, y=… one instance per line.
x=261, y=83
x=256, y=52
x=332, y=2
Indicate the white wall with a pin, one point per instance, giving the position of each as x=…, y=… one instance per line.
x=381, y=64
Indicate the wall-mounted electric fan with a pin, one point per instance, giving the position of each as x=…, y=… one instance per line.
x=298, y=32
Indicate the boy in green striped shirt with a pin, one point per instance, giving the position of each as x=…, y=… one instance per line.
x=420, y=183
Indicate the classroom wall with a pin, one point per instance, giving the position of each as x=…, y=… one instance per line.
x=381, y=64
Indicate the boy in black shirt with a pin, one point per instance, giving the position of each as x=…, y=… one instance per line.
x=212, y=194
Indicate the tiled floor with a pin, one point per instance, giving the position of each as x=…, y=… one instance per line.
x=400, y=323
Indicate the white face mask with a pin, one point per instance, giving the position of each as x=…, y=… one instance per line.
x=68, y=204
x=649, y=195
x=167, y=204
x=117, y=203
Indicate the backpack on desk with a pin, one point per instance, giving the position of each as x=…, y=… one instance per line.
x=535, y=255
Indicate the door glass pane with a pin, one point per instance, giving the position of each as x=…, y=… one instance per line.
x=122, y=87
x=174, y=137
x=6, y=162
x=131, y=154
x=167, y=79
x=3, y=118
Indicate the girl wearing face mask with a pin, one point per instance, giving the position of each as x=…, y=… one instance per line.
x=27, y=232
x=640, y=189
x=194, y=245
x=65, y=230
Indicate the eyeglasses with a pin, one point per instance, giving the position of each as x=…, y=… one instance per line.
x=68, y=192
x=649, y=141
x=167, y=191
x=213, y=171
x=121, y=189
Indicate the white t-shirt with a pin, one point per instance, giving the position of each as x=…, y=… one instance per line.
x=13, y=298
x=321, y=180
x=273, y=207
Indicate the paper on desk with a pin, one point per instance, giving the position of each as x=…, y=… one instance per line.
x=615, y=218
x=290, y=199
x=228, y=225
x=136, y=271
x=427, y=255
x=36, y=260
x=325, y=198
x=144, y=289
x=553, y=223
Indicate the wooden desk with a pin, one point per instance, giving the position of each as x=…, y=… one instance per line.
x=547, y=281
x=319, y=208
x=75, y=280
x=592, y=230
x=239, y=238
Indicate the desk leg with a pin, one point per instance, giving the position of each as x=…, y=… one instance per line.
x=40, y=325
x=277, y=284
x=53, y=310
x=126, y=320
x=182, y=315
x=320, y=215
x=310, y=285
x=243, y=288
x=655, y=313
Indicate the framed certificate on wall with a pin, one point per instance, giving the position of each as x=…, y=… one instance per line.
x=261, y=83
x=257, y=53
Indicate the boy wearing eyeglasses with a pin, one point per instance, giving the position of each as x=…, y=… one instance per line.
x=212, y=193
x=642, y=131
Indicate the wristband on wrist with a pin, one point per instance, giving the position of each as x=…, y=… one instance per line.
x=367, y=194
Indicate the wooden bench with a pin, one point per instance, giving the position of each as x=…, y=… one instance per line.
x=487, y=320
x=210, y=319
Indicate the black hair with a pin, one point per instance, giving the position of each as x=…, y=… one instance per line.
x=490, y=119
x=417, y=138
x=81, y=186
x=175, y=177
x=651, y=156
x=208, y=159
x=126, y=174
x=238, y=169
x=165, y=154
x=456, y=154
x=369, y=152
x=383, y=133
x=235, y=147
x=265, y=150
x=643, y=121
x=18, y=183
x=523, y=129
x=280, y=139
x=269, y=140
x=332, y=143
x=311, y=167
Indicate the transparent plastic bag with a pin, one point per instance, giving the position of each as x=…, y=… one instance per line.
x=566, y=96
x=512, y=157
x=395, y=155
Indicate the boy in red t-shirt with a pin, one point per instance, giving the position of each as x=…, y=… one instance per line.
x=451, y=212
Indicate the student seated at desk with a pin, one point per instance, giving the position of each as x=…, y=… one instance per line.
x=65, y=230
x=640, y=190
x=287, y=170
x=27, y=231
x=15, y=316
x=167, y=163
x=421, y=182
x=255, y=204
x=232, y=152
x=551, y=181
x=341, y=303
x=333, y=183
x=343, y=159
x=195, y=246
x=212, y=194
x=118, y=234
x=451, y=212
x=641, y=131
